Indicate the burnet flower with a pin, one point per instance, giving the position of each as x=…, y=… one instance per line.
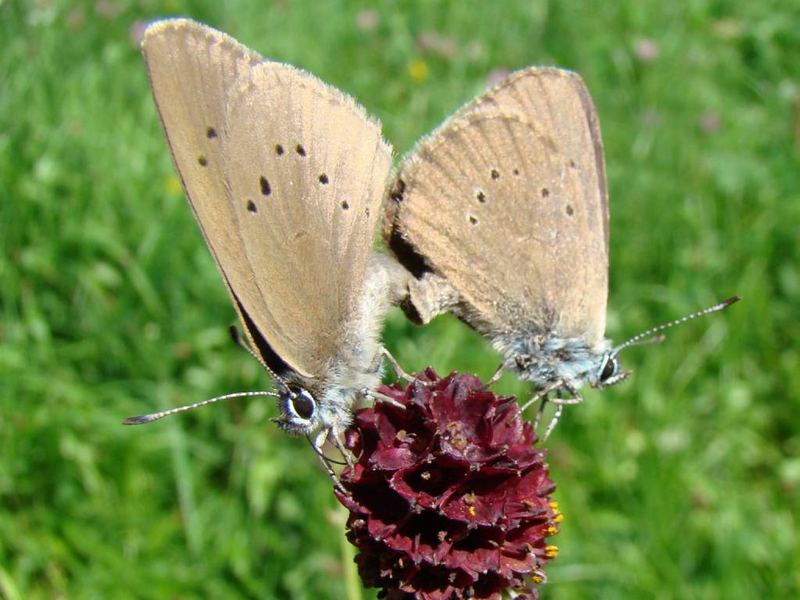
x=448, y=497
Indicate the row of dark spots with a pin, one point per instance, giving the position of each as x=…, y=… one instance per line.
x=495, y=174
x=323, y=178
x=280, y=151
x=569, y=210
x=266, y=190
x=251, y=206
x=211, y=133
x=480, y=195
x=545, y=193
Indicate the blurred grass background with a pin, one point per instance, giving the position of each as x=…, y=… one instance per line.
x=680, y=483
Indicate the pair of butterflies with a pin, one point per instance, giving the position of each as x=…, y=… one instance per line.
x=500, y=216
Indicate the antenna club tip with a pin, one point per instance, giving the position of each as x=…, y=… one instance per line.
x=731, y=300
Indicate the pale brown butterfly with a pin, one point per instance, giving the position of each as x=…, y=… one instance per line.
x=285, y=176
x=502, y=215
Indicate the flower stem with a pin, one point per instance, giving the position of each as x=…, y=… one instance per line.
x=352, y=583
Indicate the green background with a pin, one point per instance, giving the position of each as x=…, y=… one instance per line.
x=680, y=483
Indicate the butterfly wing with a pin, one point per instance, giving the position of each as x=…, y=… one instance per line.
x=200, y=78
x=306, y=169
x=191, y=69
x=507, y=201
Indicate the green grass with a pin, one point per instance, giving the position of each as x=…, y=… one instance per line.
x=681, y=483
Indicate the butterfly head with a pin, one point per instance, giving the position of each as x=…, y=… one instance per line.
x=609, y=371
x=298, y=411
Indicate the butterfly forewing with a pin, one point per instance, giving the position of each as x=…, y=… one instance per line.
x=507, y=201
x=306, y=169
x=558, y=102
x=192, y=68
x=288, y=207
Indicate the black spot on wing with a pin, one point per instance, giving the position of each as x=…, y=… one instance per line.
x=211, y=133
x=263, y=183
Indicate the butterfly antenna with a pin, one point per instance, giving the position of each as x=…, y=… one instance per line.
x=245, y=345
x=239, y=341
x=649, y=337
x=149, y=418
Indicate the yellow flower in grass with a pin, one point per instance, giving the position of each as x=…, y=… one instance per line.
x=418, y=70
x=173, y=186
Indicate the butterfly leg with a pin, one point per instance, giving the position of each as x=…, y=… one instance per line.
x=542, y=395
x=496, y=375
x=560, y=404
x=316, y=445
x=537, y=420
x=381, y=397
x=336, y=440
x=398, y=370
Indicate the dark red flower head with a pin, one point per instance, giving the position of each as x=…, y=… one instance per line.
x=448, y=498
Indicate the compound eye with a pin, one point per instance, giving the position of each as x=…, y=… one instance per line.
x=303, y=404
x=609, y=369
